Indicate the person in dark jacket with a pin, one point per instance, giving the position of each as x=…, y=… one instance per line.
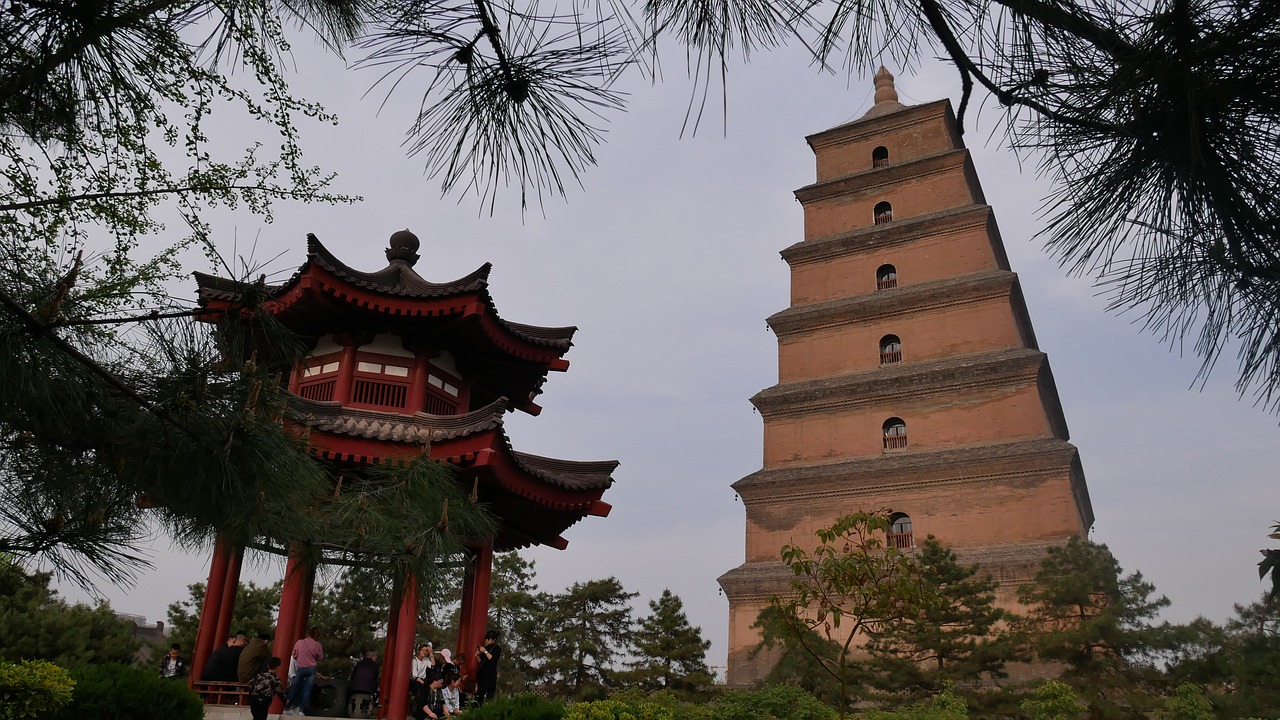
x=254, y=658
x=362, y=688
x=224, y=663
x=264, y=687
x=172, y=665
x=488, y=656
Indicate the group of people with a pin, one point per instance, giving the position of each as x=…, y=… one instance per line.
x=436, y=680
x=437, y=685
x=249, y=661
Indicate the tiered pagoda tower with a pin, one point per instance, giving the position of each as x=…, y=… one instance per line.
x=908, y=372
x=397, y=363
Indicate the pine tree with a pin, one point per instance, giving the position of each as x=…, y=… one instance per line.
x=587, y=626
x=670, y=653
x=956, y=639
x=1085, y=613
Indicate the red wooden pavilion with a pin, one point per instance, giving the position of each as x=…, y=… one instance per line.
x=397, y=362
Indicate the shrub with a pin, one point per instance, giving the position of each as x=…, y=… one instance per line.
x=32, y=688
x=120, y=692
x=780, y=702
x=1188, y=703
x=520, y=707
x=1053, y=701
x=680, y=709
x=943, y=706
x=618, y=710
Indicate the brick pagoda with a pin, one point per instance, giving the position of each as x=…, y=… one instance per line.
x=908, y=373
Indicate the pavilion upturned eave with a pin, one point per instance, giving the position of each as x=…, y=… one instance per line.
x=475, y=442
x=309, y=302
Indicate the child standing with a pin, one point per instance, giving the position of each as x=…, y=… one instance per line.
x=263, y=687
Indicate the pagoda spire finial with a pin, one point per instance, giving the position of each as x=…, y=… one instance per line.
x=403, y=247
x=886, y=94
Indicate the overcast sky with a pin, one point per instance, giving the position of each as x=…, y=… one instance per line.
x=667, y=260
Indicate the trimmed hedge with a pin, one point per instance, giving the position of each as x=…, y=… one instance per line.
x=120, y=692
x=780, y=702
x=520, y=707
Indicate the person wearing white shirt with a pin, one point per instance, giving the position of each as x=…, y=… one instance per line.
x=423, y=661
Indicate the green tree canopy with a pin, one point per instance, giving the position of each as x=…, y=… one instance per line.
x=670, y=653
x=36, y=624
x=851, y=589
x=588, y=626
x=958, y=639
x=1083, y=612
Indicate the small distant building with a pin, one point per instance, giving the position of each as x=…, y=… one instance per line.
x=909, y=377
x=149, y=636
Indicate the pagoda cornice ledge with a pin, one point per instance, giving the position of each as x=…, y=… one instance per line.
x=1008, y=563
x=935, y=164
x=897, y=232
x=892, y=384
x=874, y=474
x=866, y=128
x=902, y=300
x=757, y=581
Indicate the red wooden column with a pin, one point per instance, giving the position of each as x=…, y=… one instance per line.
x=291, y=600
x=304, y=605
x=406, y=625
x=206, y=640
x=235, y=556
x=417, y=401
x=390, y=651
x=474, y=614
x=350, y=343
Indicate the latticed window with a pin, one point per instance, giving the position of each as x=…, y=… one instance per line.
x=886, y=277
x=899, y=535
x=890, y=350
x=895, y=434
x=880, y=157
x=380, y=384
x=883, y=213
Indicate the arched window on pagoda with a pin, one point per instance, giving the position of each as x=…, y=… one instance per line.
x=899, y=535
x=880, y=157
x=886, y=277
x=895, y=434
x=890, y=350
x=883, y=213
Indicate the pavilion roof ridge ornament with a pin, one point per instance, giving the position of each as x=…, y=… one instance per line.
x=403, y=247
x=886, y=95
